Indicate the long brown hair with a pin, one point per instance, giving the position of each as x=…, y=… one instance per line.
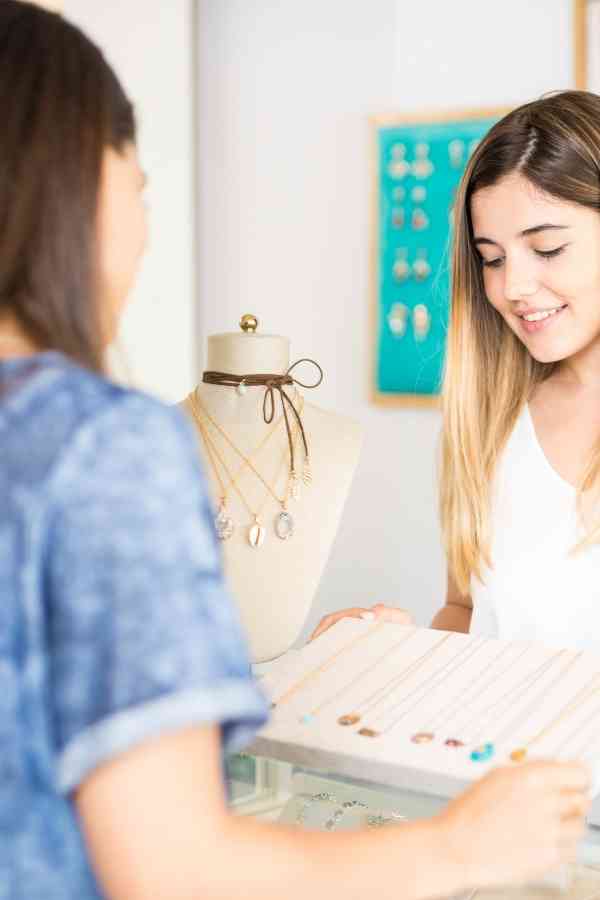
x=554, y=142
x=61, y=107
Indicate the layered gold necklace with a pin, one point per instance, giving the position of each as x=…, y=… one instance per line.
x=284, y=525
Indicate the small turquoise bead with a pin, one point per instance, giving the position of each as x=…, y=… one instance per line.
x=307, y=719
x=483, y=753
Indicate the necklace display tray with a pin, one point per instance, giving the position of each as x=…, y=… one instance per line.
x=358, y=700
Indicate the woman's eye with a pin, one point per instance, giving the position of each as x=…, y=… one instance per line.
x=492, y=263
x=548, y=254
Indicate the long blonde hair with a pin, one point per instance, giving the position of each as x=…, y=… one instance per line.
x=489, y=374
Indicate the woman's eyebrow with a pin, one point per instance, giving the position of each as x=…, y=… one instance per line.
x=535, y=229
x=538, y=228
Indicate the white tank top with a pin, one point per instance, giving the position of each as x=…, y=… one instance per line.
x=536, y=590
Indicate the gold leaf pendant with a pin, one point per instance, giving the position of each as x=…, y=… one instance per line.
x=307, y=475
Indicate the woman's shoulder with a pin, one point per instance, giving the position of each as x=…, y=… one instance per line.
x=91, y=396
x=70, y=417
x=121, y=422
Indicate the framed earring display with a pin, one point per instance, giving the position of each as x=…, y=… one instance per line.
x=418, y=164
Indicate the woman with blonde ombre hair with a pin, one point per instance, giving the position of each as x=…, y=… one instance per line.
x=520, y=461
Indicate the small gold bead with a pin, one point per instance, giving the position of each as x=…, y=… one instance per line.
x=518, y=755
x=422, y=737
x=350, y=719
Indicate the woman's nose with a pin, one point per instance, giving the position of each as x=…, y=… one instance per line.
x=519, y=283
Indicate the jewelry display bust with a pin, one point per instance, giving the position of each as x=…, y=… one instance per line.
x=273, y=572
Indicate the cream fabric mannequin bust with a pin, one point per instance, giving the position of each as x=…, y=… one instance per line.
x=275, y=584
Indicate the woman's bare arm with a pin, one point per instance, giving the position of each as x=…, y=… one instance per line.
x=456, y=614
x=157, y=828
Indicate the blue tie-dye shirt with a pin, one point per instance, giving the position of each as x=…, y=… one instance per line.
x=114, y=622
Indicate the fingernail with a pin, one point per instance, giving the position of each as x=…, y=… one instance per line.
x=367, y=616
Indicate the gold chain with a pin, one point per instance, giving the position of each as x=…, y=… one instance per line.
x=513, y=693
x=581, y=747
x=325, y=665
x=436, y=677
x=530, y=707
x=233, y=482
x=248, y=461
x=193, y=405
x=215, y=468
x=382, y=692
x=581, y=697
x=358, y=678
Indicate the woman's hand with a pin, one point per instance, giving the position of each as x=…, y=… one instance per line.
x=378, y=612
x=518, y=822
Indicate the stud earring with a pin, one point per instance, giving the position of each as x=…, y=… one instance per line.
x=398, y=167
x=456, y=153
x=398, y=217
x=422, y=167
x=401, y=268
x=421, y=268
x=418, y=194
x=421, y=321
x=419, y=220
x=397, y=318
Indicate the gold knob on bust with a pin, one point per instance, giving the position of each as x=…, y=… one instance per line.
x=249, y=323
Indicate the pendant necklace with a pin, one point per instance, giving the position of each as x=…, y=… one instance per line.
x=430, y=684
x=224, y=524
x=313, y=713
x=295, y=480
x=486, y=749
x=440, y=719
x=582, y=745
x=323, y=667
x=581, y=697
x=382, y=692
x=284, y=524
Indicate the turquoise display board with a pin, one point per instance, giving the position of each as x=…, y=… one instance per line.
x=418, y=167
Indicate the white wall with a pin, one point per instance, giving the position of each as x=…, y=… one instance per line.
x=150, y=44
x=285, y=89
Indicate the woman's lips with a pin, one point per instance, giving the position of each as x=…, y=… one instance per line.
x=541, y=324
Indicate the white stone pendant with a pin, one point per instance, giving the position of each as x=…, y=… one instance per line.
x=224, y=524
x=256, y=534
x=284, y=526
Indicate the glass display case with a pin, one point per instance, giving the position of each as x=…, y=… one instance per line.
x=276, y=790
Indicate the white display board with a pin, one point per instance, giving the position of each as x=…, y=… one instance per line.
x=407, y=692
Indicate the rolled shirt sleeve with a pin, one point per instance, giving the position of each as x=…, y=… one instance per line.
x=143, y=636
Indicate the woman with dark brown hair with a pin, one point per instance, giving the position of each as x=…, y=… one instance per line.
x=123, y=673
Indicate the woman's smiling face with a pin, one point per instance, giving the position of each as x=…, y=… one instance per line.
x=541, y=266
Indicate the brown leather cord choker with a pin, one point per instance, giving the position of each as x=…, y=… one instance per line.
x=273, y=383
